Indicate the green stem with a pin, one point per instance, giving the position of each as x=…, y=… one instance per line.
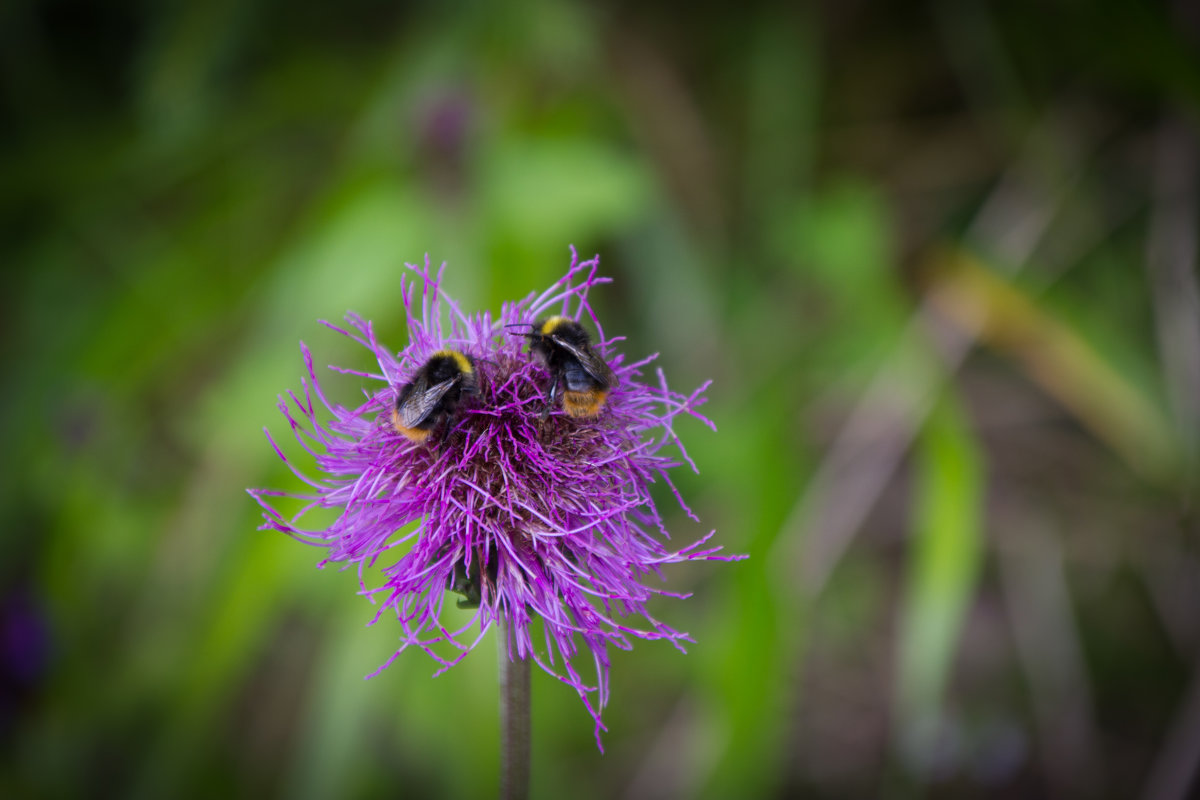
x=514, y=723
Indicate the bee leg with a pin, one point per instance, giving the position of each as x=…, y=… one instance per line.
x=452, y=426
x=550, y=399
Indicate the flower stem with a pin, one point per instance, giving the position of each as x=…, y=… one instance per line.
x=514, y=722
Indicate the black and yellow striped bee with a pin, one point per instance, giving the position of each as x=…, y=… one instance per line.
x=583, y=377
x=434, y=393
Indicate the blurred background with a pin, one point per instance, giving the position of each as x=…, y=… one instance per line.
x=939, y=258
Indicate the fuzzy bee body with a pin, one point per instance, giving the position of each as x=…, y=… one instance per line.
x=433, y=394
x=581, y=374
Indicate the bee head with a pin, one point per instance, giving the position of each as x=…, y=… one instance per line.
x=565, y=329
x=450, y=361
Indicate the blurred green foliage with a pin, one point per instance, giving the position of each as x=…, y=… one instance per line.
x=936, y=258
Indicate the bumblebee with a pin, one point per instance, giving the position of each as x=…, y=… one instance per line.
x=433, y=394
x=583, y=377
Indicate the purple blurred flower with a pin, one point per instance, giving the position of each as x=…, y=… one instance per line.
x=530, y=516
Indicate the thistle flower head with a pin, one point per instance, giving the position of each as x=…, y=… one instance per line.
x=528, y=515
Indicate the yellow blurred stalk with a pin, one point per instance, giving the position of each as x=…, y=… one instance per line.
x=984, y=305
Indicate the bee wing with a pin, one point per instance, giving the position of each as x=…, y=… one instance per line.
x=593, y=364
x=423, y=399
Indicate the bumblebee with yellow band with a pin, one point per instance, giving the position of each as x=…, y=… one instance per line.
x=433, y=394
x=583, y=376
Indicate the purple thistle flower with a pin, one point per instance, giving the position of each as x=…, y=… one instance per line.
x=532, y=516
